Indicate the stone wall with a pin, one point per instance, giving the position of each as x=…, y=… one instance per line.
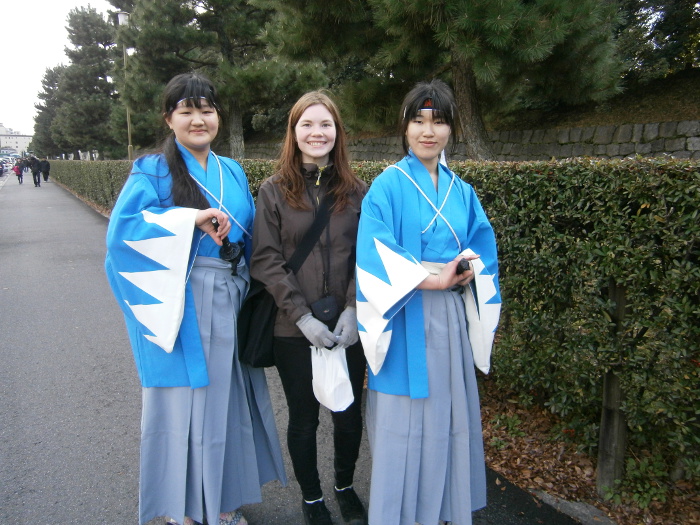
x=677, y=139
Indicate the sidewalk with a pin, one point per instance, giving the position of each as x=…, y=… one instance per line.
x=70, y=397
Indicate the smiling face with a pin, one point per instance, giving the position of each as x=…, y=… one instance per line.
x=427, y=136
x=194, y=128
x=315, y=134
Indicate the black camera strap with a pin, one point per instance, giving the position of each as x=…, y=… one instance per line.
x=312, y=235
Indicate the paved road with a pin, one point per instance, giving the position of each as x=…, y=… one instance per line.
x=69, y=394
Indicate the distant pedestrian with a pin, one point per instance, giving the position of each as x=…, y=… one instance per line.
x=45, y=167
x=35, y=166
x=17, y=168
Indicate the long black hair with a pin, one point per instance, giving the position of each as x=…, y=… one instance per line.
x=442, y=103
x=192, y=88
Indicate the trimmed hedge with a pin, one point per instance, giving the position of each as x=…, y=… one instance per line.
x=599, y=272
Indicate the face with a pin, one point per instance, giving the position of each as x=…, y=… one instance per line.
x=315, y=133
x=194, y=128
x=427, y=136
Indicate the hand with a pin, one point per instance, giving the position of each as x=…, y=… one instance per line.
x=315, y=331
x=469, y=274
x=448, y=276
x=203, y=221
x=346, y=329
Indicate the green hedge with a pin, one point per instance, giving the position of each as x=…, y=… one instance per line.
x=97, y=182
x=599, y=271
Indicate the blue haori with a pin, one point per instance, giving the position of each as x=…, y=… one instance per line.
x=427, y=453
x=214, y=446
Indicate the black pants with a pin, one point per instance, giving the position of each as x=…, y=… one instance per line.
x=293, y=361
x=37, y=178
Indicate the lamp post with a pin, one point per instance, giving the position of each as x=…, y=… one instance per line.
x=122, y=20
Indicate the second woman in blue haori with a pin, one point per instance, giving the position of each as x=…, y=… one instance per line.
x=418, y=221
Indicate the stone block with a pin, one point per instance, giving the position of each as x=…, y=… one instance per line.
x=552, y=150
x=637, y=132
x=674, y=144
x=682, y=154
x=667, y=129
x=515, y=136
x=651, y=132
x=527, y=135
x=577, y=150
x=550, y=135
x=563, y=136
x=643, y=148
x=537, y=136
x=627, y=149
x=603, y=134
x=565, y=151
x=587, y=134
x=693, y=144
x=612, y=150
x=689, y=128
x=657, y=146
x=623, y=133
x=575, y=134
x=600, y=150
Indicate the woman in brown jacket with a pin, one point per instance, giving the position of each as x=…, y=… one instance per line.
x=313, y=163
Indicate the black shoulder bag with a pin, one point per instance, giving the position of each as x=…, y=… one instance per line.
x=256, y=320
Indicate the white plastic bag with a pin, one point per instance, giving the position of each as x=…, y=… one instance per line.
x=331, y=380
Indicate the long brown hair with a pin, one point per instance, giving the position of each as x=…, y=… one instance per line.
x=345, y=183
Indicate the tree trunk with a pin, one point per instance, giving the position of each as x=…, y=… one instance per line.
x=613, y=435
x=612, y=440
x=471, y=125
x=235, y=128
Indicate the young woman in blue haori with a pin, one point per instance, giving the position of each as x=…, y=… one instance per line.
x=418, y=222
x=208, y=437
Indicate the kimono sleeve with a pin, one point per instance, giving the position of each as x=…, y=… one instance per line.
x=482, y=296
x=148, y=254
x=387, y=273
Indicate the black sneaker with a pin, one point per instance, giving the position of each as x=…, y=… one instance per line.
x=316, y=513
x=351, y=508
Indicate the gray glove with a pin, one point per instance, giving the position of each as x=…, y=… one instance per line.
x=346, y=329
x=315, y=331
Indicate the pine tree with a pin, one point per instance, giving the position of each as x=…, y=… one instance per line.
x=675, y=32
x=85, y=94
x=508, y=52
x=221, y=39
x=42, y=142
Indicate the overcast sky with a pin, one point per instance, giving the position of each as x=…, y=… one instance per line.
x=33, y=38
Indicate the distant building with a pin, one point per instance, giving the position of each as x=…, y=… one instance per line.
x=13, y=142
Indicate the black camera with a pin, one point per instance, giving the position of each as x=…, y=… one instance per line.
x=229, y=252
x=463, y=266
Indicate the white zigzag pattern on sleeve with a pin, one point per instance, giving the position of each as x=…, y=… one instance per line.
x=167, y=286
x=404, y=276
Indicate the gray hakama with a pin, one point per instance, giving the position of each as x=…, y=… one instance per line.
x=210, y=449
x=428, y=454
